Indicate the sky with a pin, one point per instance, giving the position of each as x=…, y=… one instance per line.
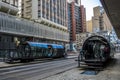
x=89, y=4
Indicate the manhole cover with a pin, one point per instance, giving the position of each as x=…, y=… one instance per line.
x=90, y=72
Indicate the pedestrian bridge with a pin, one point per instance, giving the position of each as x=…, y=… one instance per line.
x=112, y=8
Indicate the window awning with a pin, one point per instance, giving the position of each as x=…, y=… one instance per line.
x=57, y=46
x=36, y=44
x=45, y=45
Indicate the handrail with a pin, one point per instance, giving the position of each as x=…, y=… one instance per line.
x=80, y=56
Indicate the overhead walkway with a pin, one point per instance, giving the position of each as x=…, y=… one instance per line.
x=112, y=8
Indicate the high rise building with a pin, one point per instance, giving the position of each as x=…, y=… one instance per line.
x=100, y=20
x=15, y=31
x=107, y=24
x=96, y=18
x=83, y=18
x=89, y=26
x=97, y=10
x=76, y=20
x=9, y=6
x=49, y=11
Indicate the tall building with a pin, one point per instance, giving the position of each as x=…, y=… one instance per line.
x=49, y=11
x=89, y=26
x=76, y=20
x=9, y=6
x=97, y=10
x=83, y=18
x=100, y=20
x=96, y=18
x=107, y=24
x=15, y=31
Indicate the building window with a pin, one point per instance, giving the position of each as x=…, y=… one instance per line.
x=16, y=3
x=0, y=38
x=3, y=0
x=39, y=14
x=12, y=39
x=38, y=4
x=54, y=0
x=8, y=1
x=11, y=2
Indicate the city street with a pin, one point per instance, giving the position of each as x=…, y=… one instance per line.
x=59, y=40
x=111, y=72
x=60, y=69
x=37, y=71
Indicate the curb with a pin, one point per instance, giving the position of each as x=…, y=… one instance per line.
x=20, y=64
x=35, y=62
x=72, y=57
x=27, y=63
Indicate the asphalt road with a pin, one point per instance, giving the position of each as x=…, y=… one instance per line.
x=37, y=71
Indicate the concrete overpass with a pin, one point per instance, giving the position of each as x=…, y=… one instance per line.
x=112, y=8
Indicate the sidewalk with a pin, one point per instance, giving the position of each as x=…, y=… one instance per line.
x=5, y=65
x=111, y=72
x=72, y=54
